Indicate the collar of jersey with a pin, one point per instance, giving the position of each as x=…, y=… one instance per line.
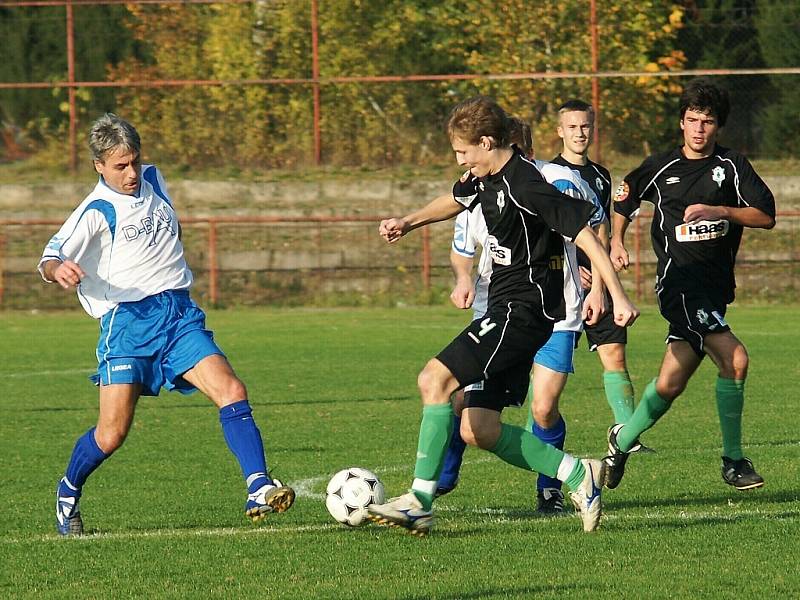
x=103, y=188
x=496, y=177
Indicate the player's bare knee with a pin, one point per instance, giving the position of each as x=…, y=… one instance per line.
x=669, y=389
x=432, y=382
x=546, y=416
x=109, y=439
x=740, y=362
x=231, y=390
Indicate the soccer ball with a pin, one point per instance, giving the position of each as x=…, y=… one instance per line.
x=349, y=493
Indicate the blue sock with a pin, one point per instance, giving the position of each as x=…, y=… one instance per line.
x=554, y=436
x=86, y=457
x=453, y=457
x=244, y=440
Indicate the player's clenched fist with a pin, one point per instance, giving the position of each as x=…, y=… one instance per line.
x=625, y=313
x=68, y=274
x=392, y=229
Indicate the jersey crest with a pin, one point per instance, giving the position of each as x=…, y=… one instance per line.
x=718, y=175
x=501, y=200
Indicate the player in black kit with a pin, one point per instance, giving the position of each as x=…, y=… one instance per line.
x=526, y=218
x=704, y=195
x=576, y=129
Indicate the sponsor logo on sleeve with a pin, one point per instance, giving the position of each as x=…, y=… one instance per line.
x=500, y=254
x=701, y=230
x=622, y=192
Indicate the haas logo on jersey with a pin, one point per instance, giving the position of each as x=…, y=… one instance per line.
x=702, y=230
x=500, y=254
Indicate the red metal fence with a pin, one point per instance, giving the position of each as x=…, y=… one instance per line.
x=342, y=260
x=316, y=82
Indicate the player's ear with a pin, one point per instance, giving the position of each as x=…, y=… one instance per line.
x=487, y=142
x=98, y=165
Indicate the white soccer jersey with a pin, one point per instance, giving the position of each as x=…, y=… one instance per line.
x=471, y=231
x=128, y=246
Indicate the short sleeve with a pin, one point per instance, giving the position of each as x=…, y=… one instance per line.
x=752, y=190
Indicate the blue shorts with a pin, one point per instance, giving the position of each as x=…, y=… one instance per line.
x=153, y=342
x=557, y=353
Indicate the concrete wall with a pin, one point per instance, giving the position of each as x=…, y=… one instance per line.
x=207, y=198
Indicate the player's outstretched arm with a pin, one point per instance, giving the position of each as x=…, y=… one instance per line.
x=625, y=313
x=463, y=294
x=619, y=255
x=67, y=274
x=748, y=216
x=440, y=209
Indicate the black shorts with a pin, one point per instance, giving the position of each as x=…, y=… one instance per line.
x=605, y=331
x=692, y=316
x=499, y=345
x=499, y=392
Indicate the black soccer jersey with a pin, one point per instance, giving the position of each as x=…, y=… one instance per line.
x=526, y=218
x=701, y=256
x=599, y=179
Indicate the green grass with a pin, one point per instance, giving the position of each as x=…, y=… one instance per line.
x=335, y=388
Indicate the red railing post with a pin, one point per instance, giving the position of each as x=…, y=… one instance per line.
x=2, y=264
x=598, y=145
x=212, y=262
x=73, y=117
x=315, y=77
x=426, y=258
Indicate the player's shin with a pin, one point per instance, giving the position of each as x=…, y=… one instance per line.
x=244, y=440
x=434, y=437
x=86, y=457
x=522, y=449
x=650, y=409
x=619, y=394
x=730, y=403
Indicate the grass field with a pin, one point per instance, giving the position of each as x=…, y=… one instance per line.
x=335, y=388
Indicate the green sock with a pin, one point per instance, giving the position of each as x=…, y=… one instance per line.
x=434, y=437
x=650, y=409
x=730, y=402
x=619, y=394
x=524, y=450
x=576, y=476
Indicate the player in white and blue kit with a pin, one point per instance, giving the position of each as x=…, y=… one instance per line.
x=121, y=250
x=554, y=361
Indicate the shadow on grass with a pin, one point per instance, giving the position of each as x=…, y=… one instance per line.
x=165, y=404
x=761, y=496
x=506, y=591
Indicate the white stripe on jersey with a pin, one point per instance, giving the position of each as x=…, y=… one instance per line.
x=128, y=246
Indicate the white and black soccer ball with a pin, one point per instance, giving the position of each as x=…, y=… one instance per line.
x=349, y=493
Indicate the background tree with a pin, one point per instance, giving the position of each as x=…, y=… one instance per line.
x=777, y=24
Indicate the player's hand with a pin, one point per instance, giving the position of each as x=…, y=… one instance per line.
x=703, y=212
x=392, y=229
x=586, y=278
x=594, y=307
x=625, y=313
x=463, y=294
x=619, y=256
x=68, y=274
